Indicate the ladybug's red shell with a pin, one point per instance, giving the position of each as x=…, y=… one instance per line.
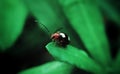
x=55, y=36
x=60, y=38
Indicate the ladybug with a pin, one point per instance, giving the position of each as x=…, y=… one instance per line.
x=60, y=38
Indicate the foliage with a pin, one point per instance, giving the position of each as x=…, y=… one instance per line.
x=83, y=20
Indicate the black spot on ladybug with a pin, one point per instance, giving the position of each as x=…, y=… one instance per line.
x=61, y=39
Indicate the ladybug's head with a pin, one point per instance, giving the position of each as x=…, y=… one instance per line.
x=55, y=36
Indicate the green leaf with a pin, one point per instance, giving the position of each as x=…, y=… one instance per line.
x=45, y=14
x=74, y=56
x=85, y=18
x=54, y=67
x=12, y=18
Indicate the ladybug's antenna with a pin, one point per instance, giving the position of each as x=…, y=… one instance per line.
x=59, y=29
x=43, y=25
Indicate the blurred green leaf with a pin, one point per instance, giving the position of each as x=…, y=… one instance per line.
x=54, y=67
x=86, y=20
x=74, y=56
x=109, y=10
x=12, y=18
x=45, y=14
